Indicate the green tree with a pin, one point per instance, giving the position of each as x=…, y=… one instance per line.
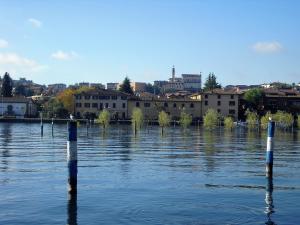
x=253, y=96
x=185, y=120
x=137, y=118
x=252, y=119
x=298, y=121
x=163, y=120
x=228, y=122
x=104, y=118
x=283, y=120
x=7, y=84
x=126, y=87
x=211, y=82
x=211, y=119
x=55, y=108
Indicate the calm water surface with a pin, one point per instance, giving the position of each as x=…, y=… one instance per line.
x=191, y=177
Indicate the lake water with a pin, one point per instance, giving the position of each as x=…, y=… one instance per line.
x=183, y=177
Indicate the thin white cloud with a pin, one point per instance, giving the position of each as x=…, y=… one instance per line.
x=61, y=55
x=15, y=62
x=3, y=43
x=267, y=47
x=34, y=22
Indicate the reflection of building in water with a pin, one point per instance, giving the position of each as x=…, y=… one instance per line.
x=72, y=209
x=269, y=210
x=6, y=139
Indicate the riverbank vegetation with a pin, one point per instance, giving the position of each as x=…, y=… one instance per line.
x=211, y=119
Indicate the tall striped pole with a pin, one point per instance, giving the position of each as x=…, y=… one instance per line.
x=42, y=126
x=52, y=124
x=72, y=155
x=270, y=145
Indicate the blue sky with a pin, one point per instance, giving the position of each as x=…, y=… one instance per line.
x=242, y=42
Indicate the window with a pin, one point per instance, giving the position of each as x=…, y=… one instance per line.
x=232, y=96
x=106, y=105
x=137, y=104
x=231, y=103
x=101, y=106
x=165, y=104
x=114, y=105
x=192, y=105
x=87, y=97
x=87, y=105
x=114, y=97
x=205, y=96
x=231, y=111
x=94, y=105
x=123, y=97
x=219, y=96
x=147, y=104
x=78, y=96
x=124, y=105
x=219, y=110
x=78, y=105
x=94, y=97
x=219, y=102
x=174, y=105
x=206, y=102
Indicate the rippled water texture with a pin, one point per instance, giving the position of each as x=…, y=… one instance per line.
x=184, y=177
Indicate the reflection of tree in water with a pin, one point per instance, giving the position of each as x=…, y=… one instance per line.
x=209, y=149
x=125, y=151
x=72, y=209
x=252, y=137
x=6, y=137
x=269, y=210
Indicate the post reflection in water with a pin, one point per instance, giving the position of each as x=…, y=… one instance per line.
x=72, y=208
x=6, y=137
x=269, y=210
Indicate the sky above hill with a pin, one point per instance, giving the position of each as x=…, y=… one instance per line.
x=242, y=42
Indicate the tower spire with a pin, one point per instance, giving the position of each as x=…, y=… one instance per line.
x=173, y=73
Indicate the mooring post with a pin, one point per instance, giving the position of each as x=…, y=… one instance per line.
x=72, y=155
x=270, y=145
x=52, y=124
x=42, y=126
x=87, y=127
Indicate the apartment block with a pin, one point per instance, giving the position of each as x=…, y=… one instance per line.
x=88, y=104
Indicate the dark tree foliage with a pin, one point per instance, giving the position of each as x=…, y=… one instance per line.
x=125, y=86
x=153, y=89
x=211, y=82
x=55, y=108
x=7, y=84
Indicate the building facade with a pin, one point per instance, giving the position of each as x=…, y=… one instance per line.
x=17, y=107
x=224, y=102
x=88, y=104
x=174, y=107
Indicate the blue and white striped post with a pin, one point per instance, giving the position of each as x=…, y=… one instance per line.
x=52, y=125
x=270, y=145
x=42, y=126
x=72, y=155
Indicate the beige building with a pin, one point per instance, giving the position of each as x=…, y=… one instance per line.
x=89, y=104
x=152, y=106
x=224, y=102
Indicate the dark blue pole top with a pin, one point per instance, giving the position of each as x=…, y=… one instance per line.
x=271, y=128
x=72, y=131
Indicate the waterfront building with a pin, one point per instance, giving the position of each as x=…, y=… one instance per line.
x=174, y=107
x=225, y=102
x=88, y=104
x=17, y=107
